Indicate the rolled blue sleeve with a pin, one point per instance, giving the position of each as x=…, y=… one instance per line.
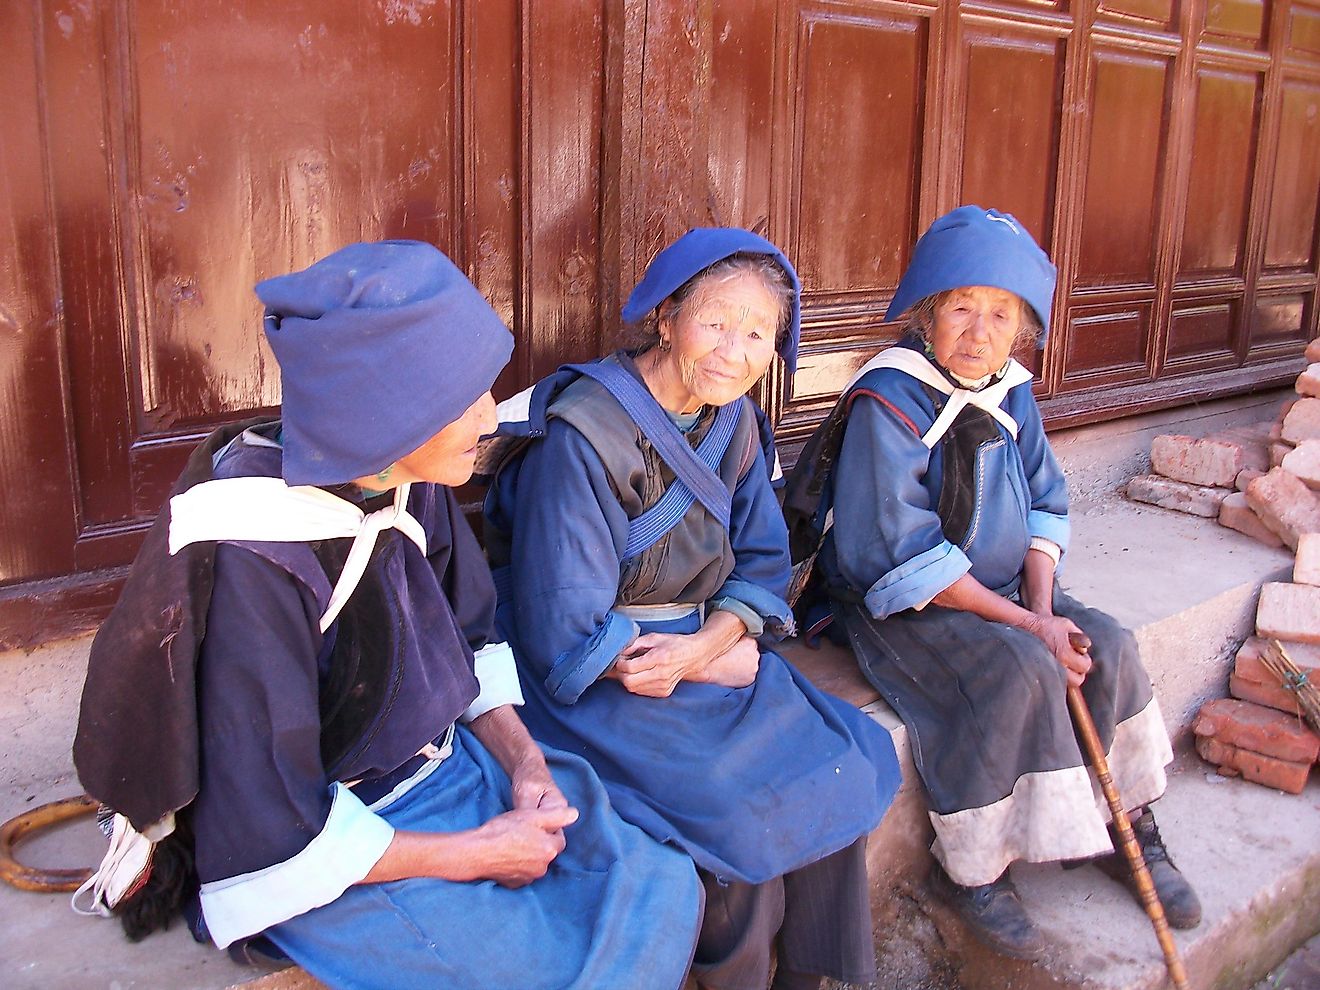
x=916, y=581
x=888, y=539
x=577, y=669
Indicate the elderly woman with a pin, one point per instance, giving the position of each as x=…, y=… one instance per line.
x=950, y=517
x=642, y=560
x=368, y=797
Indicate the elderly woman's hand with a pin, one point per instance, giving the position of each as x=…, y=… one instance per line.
x=654, y=663
x=517, y=847
x=736, y=667
x=532, y=785
x=1053, y=631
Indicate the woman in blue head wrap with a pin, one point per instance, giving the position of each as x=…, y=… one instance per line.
x=642, y=564
x=945, y=516
x=368, y=798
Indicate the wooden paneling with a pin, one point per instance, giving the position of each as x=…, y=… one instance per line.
x=1106, y=345
x=1235, y=21
x=858, y=146
x=1219, y=184
x=1296, y=188
x=1201, y=330
x=1129, y=121
x=1013, y=88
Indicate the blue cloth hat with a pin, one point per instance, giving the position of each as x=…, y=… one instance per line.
x=972, y=246
x=380, y=347
x=699, y=249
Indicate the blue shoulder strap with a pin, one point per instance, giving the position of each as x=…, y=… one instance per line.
x=695, y=479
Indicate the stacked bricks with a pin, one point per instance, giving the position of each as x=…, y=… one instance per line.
x=1263, y=480
x=1259, y=733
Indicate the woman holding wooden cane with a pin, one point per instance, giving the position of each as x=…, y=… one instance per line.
x=944, y=519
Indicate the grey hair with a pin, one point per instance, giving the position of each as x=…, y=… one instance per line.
x=921, y=320
x=646, y=332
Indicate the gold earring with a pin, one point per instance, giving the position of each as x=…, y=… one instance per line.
x=664, y=344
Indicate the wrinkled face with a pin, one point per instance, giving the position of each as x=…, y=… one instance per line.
x=722, y=339
x=448, y=457
x=974, y=330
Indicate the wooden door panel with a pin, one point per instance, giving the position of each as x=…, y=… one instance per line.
x=1011, y=117
x=1290, y=242
x=1240, y=22
x=858, y=146
x=1222, y=160
x=1106, y=345
x=1156, y=13
x=1281, y=322
x=1129, y=122
x=1202, y=332
x=37, y=522
x=1304, y=29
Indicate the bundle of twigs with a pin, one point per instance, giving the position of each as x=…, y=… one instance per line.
x=1277, y=662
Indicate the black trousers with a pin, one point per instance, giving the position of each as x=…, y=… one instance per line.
x=818, y=919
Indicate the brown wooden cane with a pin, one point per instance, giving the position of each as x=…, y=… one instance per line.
x=1095, y=752
x=13, y=831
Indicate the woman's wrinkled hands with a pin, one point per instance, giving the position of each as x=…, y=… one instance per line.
x=736, y=667
x=533, y=787
x=1054, y=631
x=654, y=663
x=517, y=847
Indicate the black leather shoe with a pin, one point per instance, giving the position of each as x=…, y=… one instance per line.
x=1182, y=907
x=993, y=911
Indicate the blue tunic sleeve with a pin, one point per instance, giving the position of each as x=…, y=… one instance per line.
x=275, y=837
x=887, y=534
x=564, y=564
x=756, y=590
x=1048, y=515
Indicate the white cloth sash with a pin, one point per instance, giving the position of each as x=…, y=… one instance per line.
x=917, y=366
x=268, y=510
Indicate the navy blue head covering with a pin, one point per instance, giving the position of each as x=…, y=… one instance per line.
x=380, y=347
x=972, y=246
x=698, y=249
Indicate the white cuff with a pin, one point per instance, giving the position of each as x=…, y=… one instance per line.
x=340, y=855
x=1048, y=547
x=497, y=673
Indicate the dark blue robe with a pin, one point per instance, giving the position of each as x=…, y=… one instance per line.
x=752, y=782
x=283, y=838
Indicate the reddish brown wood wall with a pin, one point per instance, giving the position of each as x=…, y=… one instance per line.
x=160, y=156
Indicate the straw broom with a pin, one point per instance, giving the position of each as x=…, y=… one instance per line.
x=1277, y=662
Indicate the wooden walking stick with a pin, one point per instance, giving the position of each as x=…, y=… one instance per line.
x=1095, y=752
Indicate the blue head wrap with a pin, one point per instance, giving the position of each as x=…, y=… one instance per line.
x=699, y=249
x=380, y=347
x=972, y=246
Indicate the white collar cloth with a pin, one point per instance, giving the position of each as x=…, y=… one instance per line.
x=989, y=399
x=267, y=510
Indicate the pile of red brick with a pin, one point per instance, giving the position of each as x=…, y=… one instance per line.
x=1261, y=480
x=1259, y=732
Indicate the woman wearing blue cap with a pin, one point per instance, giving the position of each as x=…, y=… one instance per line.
x=642, y=565
x=367, y=796
x=944, y=519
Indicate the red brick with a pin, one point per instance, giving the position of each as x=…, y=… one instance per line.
x=1235, y=513
x=1247, y=475
x=1197, y=462
x=1285, y=505
x=1302, y=421
x=1278, y=451
x=1272, y=696
x=1254, y=439
x=1289, y=612
x=1195, y=500
x=1257, y=728
x=1303, y=463
x=1283, y=775
x=1305, y=655
x=1313, y=351
x=1308, y=382
x=1306, y=568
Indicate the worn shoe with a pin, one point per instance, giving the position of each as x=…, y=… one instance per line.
x=993, y=911
x=1182, y=907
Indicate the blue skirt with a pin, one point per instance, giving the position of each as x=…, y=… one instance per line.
x=616, y=909
x=751, y=782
